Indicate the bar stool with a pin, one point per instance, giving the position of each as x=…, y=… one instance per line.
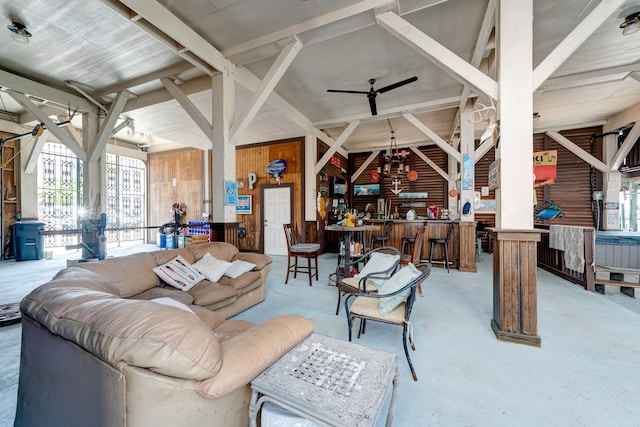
x=442, y=241
x=407, y=242
x=295, y=250
x=378, y=240
x=479, y=254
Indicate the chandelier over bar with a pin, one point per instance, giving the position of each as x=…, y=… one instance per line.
x=393, y=160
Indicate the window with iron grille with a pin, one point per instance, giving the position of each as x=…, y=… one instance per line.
x=59, y=193
x=126, y=198
x=60, y=196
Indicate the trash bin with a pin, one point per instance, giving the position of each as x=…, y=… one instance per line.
x=28, y=243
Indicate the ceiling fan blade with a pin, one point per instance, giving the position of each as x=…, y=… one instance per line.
x=395, y=85
x=372, y=105
x=346, y=91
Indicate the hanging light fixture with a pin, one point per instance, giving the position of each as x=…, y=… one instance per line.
x=631, y=24
x=20, y=33
x=393, y=159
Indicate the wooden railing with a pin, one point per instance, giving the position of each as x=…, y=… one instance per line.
x=552, y=260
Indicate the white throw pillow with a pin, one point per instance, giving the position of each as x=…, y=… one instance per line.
x=395, y=283
x=212, y=268
x=238, y=268
x=378, y=263
x=179, y=274
x=172, y=303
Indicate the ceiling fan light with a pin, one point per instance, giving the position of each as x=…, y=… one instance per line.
x=19, y=32
x=631, y=24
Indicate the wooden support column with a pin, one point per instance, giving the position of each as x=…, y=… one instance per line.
x=515, y=312
x=515, y=239
x=467, y=247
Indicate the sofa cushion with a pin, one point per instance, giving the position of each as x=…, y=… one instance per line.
x=241, y=282
x=209, y=317
x=134, y=332
x=164, y=256
x=260, y=260
x=172, y=303
x=220, y=250
x=81, y=278
x=179, y=273
x=212, y=268
x=230, y=329
x=130, y=274
x=170, y=292
x=206, y=293
x=267, y=342
x=238, y=268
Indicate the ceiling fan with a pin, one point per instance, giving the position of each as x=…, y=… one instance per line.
x=372, y=93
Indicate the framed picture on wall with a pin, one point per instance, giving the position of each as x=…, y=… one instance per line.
x=244, y=205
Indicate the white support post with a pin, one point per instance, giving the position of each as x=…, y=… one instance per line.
x=612, y=181
x=310, y=190
x=514, y=197
x=93, y=172
x=28, y=185
x=224, y=153
x=467, y=166
x=206, y=182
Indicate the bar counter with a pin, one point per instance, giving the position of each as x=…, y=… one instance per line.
x=461, y=246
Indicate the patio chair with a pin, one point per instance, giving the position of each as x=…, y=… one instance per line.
x=400, y=289
x=295, y=250
x=379, y=265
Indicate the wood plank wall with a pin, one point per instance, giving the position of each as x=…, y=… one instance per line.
x=186, y=167
x=323, y=182
x=428, y=181
x=572, y=189
x=482, y=180
x=254, y=158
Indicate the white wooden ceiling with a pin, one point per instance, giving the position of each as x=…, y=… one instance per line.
x=109, y=45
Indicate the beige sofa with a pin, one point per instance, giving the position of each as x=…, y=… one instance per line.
x=133, y=277
x=94, y=354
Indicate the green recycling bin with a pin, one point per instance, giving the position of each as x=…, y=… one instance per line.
x=28, y=243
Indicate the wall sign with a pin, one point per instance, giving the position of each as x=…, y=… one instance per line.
x=544, y=166
x=276, y=168
x=230, y=193
x=335, y=161
x=422, y=195
x=244, y=205
x=494, y=175
x=467, y=172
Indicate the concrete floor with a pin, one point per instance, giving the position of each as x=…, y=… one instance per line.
x=585, y=374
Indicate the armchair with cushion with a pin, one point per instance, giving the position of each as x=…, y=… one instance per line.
x=380, y=264
x=392, y=304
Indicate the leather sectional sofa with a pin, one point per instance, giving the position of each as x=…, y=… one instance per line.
x=102, y=345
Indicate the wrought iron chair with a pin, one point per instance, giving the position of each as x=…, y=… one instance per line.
x=416, y=256
x=378, y=271
x=367, y=306
x=295, y=250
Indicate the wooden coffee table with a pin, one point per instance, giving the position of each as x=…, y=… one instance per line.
x=330, y=382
